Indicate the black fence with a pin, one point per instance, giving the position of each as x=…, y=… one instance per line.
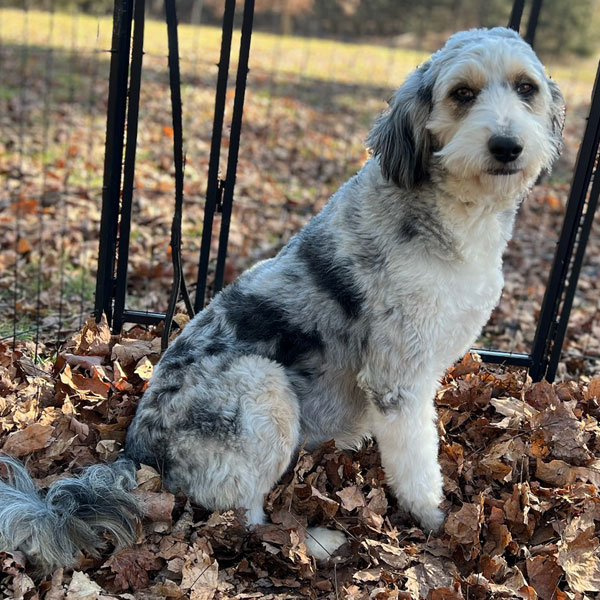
x=543, y=359
x=529, y=337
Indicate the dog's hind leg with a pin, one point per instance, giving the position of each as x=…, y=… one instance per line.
x=230, y=432
x=236, y=430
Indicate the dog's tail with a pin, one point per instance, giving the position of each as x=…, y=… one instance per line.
x=73, y=515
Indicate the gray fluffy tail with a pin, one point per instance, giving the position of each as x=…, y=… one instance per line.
x=73, y=515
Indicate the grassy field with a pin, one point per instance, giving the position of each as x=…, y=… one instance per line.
x=308, y=108
x=322, y=60
x=313, y=58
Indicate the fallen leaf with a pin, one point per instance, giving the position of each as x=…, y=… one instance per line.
x=199, y=574
x=56, y=591
x=83, y=588
x=148, y=479
x=544, y=575
x=555, y=472
x=129, y=351
x=463, y=527
x=593, y=389
x=33, y=437
x=367, y=575
x=157, y=506
x=144, y=368
x=579, y=556
x=430, y=573
x=351, y=498
x=23, y=246
x=87, y=362
x=94, y=339
x=131, y=566
x=22, y=586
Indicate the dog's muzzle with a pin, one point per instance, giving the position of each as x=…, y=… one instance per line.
x=505, y=150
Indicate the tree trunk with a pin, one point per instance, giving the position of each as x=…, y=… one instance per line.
x=196, y=15
x=287, y=24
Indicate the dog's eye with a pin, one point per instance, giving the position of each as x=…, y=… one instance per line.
x=525, y=89
x=464, y=94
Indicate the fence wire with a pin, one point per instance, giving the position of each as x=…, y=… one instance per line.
x=310, y=101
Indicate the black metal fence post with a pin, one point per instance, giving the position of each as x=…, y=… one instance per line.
x=115, y=130
x=534, y=16
x=129, y=165
x=551, y=327
x=213, y=186
x=178, y=158
x=234, y=141
x=514, y=22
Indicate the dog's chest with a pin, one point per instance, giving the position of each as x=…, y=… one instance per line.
x=463, y=308
x=447, y=303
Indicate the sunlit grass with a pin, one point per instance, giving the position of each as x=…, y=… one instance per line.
x=312, y=58
x=287, y=56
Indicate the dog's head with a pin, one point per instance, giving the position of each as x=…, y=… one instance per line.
x=482, y=109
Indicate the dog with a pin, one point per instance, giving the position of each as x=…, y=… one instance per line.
x=346, y=332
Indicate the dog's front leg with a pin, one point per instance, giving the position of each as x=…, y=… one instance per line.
x=406, y=431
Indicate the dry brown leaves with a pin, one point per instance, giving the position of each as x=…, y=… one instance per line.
x=521, y=465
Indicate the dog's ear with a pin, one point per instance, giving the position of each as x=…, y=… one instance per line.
x=557, y=114
x=399, y=138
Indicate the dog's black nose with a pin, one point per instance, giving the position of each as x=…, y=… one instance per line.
x=504, y=148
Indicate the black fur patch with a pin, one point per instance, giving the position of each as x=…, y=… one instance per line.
x=174, y=363
x=333, y=276
x=147, y=445
x=408, y=152
x=182, y=353
x=155, y=396
x=210, y=421
x=408, y=231
x=205, y=318
x=366, y=252
x=364, y=345
x=215, y=347
x=168, y=389
x=384, y=405
x=259, y=319
x=425, y=94
x=429, y=228
x=302, y=381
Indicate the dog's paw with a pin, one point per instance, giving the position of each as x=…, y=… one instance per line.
x=431, y=520
x=322, y=543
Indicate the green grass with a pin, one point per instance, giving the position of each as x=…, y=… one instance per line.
x=8, y=92
x=25, y=328
x=289, y=57
x=78, y=285
x=323, y=60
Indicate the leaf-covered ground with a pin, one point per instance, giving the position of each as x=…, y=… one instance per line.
x=521, y=466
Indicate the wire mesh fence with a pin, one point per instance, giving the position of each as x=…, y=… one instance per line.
x=52, y=111
x=312, y=93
